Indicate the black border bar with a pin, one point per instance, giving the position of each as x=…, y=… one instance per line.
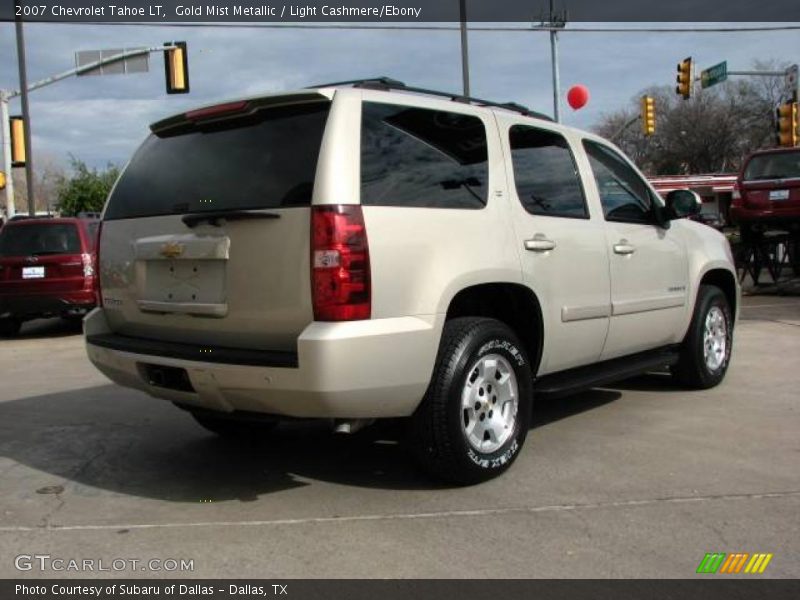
x=401, y=11
x=710, y=588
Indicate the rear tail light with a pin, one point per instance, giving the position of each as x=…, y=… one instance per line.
x=737, y=196
x=340, y=279
x=88, y=264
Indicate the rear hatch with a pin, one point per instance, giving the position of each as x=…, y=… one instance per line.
x=771, y=181
x=41, y=257
x=205, y=238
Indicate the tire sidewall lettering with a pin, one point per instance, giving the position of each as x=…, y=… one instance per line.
x=504, y=455
x=495, y=462
x=510, y=349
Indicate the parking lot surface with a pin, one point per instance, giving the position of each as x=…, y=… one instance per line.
x=640, y=479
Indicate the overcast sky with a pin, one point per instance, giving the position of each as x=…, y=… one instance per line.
x=103, y=119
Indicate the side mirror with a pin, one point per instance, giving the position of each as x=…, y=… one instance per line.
x=683, y=203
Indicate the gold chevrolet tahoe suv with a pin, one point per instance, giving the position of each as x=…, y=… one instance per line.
x=368, y=250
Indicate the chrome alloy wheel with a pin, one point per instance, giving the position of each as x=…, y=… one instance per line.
x=715, y=338
x=489, y=403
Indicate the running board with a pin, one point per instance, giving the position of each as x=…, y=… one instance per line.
x=609, y=371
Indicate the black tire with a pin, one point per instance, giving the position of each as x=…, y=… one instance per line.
x=438, y=433
x=692, y=370
x=10, y=327
x=794, y=253
x=234, y=429
x=748, y=235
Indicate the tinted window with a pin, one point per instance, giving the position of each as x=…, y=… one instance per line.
x=419, y=157
x=781, y=165
x=264, y=161
x=545, y=174
x=623, y=194
x=39, y=239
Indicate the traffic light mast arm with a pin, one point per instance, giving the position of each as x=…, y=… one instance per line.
x=622, y=129
x=88, y=67
x=761, y=73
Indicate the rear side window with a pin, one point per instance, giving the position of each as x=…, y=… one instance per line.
x=545, y=174
x=39, y=239
x=424, y=158
x=267, y=160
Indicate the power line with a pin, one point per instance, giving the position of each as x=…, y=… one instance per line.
x=535, y=28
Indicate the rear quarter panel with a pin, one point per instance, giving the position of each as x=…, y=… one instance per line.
x=422, y=257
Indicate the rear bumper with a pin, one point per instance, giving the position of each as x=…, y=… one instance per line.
x=360, y=369
x=29, y=306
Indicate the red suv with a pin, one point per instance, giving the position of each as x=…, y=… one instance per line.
x=47, y=268
x=767, y=192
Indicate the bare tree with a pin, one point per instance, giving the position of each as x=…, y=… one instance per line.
x=712, y=132
x=48, y=172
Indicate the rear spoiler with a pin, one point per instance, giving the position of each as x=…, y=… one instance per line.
x=237, y=109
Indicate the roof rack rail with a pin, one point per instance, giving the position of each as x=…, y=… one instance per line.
x=383, y=81
x=387, y=83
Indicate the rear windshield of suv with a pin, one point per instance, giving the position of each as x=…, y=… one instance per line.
x=780, y=165
x=263, y=161
x=39, y=239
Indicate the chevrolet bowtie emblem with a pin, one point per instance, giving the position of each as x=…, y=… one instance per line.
x=171, y=250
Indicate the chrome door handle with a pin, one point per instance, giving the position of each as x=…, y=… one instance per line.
x=623, y=247
x=539, y=243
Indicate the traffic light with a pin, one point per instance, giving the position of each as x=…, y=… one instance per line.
x=17, y=127
x=786, y=126
x=648, y=115
x=176, y=68
x=2, y=180
x=685, y=78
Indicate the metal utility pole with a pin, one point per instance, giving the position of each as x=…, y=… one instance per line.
x=23, y=86
x=4, y=116
x=554, y=22
x=556, y=76
x=464, y=47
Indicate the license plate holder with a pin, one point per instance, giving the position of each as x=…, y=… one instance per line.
x=33, y=272
x=779, y=195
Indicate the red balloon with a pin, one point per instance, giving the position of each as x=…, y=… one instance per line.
x=578, y=96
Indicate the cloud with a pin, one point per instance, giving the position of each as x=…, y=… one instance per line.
x=102, y=119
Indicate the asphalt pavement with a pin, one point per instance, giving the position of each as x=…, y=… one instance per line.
x=640, y=479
